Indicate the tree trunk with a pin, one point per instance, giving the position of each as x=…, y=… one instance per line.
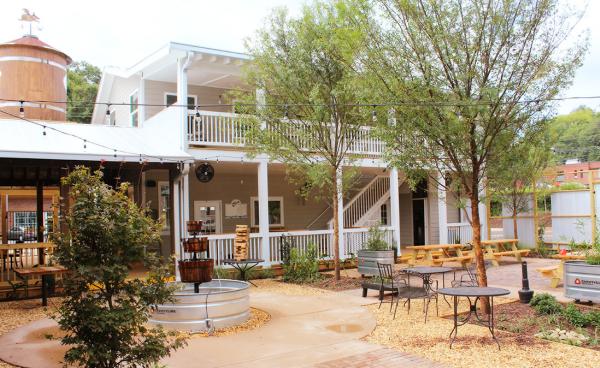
x=515, y=229
x=336, y=230
x=480, y=262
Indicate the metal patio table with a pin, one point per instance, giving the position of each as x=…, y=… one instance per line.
x=45, y=272
x=243, y=266
x=477, y=293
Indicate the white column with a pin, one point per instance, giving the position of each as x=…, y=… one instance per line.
x=340, y=211
x=263, y=208
x=176, y=231
x=483, y=213
x=185, y=210
x=142, y=101
x=442, y=210
x=182, y=96
x=395, y=207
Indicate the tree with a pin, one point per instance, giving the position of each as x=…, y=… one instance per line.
x=82, y=87
x=517, y=174
x=468, y=78
x=577, y=135
x=305, y=116
x=104, y=315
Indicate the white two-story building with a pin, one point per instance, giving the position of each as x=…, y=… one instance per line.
x=237, y=189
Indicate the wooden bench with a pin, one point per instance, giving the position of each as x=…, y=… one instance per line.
x=554, y=273
x=463, y=260
x=427, y=254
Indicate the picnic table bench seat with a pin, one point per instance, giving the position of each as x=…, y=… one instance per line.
x=463, y=260
x=553, y=273
x=523, y=252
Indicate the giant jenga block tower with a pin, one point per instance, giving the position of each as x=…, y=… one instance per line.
x=242, y=238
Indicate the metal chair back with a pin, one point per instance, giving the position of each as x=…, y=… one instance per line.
x=386, y=274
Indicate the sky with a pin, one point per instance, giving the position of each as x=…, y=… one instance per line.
x=120, y=33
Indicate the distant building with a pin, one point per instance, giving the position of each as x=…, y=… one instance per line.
x=574, y=171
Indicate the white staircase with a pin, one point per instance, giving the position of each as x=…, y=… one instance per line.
x=365, y=202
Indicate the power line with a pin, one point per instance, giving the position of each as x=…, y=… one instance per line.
x=417, y=103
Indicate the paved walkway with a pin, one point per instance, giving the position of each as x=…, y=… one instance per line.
x=304, y=331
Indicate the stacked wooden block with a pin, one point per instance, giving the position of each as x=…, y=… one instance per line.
x=242, y=239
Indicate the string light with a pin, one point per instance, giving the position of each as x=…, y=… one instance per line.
x=197, y=112
x=115, y=154
x=22, y=110
x=84, y=144
x=286, y=112
x=44, y=131
x=374, y=114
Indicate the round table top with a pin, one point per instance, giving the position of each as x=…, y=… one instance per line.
x=473, y=291
x=427, y=270
x=243, y=261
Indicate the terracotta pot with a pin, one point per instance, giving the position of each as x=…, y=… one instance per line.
x=195, y=245
x=196, y=271
x=194, y=226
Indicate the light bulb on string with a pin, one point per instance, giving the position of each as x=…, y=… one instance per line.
x=286, y=113
x=44, y=130
x=84, y=144
x=374, y=114
x=22, y=110
x=115, y=153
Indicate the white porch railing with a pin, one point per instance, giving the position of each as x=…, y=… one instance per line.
x=221, y=246
x=459, y=233
x=226, y=130
x=373, y=193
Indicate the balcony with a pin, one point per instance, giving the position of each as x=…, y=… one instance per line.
x=219, y=129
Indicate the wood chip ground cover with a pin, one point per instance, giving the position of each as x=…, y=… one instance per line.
x=474, y=346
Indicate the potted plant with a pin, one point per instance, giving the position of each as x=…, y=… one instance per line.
x=375, y=250
x=582, y=277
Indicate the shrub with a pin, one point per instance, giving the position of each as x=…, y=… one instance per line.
x=593, y=318
x=545, y=303
x=376, y=241
x=302, y=267
x=575, y=316
x=107, y=232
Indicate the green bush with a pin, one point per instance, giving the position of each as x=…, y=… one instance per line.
x=575, y=316
x=593, y=318
x=302, y=267
x=376, y=241
x=545, y=303
x=105, y=233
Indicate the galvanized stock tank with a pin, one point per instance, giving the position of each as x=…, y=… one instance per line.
x=368, y=259
x=582, y=281
x=220, y=303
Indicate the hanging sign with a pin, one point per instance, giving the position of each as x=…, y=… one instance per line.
x=236, y=209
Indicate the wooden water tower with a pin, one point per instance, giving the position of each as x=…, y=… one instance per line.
x=31, y=70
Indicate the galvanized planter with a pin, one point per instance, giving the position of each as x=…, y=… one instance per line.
x=582, y=281
x=220, y=303
x=368, y=259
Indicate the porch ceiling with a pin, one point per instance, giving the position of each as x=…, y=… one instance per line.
x=210, y=71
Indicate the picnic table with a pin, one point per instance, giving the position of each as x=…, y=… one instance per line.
x=437, y=254
x=493, y=250
x=555, y=272
x=45, y=272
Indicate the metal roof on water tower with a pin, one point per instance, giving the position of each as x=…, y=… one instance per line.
x=31, y=70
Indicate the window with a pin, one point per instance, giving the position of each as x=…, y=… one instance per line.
x=384, y=214
x=164, y=199
x=133, y=109
x=275, y=211
x=171, y=98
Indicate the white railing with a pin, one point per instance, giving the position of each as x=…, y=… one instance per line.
x=459, y=233
x=226, y=129
x=354, y=239
x=373, y=193
x=222, y=247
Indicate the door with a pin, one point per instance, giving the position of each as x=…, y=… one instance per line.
x=418, y=212
x=209, y=212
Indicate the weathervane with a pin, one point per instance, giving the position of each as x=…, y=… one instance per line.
x=30, y=18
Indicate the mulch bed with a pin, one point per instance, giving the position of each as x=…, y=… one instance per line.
x=521, y=319
x=328, y=282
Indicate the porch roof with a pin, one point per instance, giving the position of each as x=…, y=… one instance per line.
x=21, y=139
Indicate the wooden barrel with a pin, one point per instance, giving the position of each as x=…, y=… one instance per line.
x=194, y=226
x=196, y=270
x=195, y=245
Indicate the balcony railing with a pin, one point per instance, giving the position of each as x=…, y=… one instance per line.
x=459, y=233
x=221, y=129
